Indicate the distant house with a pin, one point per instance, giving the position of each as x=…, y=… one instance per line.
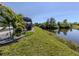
x=28, y=23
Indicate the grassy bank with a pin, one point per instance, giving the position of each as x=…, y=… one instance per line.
x=40, y=42
x=70, y=44
x=75, y=26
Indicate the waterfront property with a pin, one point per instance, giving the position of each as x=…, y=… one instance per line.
x=53, y=34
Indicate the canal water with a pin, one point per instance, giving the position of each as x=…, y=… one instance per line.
x=68, y=34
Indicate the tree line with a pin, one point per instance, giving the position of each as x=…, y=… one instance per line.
x=52, y=24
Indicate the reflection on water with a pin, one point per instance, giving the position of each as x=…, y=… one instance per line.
x=64, y=31
x=58, y=31
x=69, y=34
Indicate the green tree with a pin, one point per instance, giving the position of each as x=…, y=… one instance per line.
x=65, y=23
x=52, y=21
x=59, y=24
x=47, y=23
x=6, y=17
x=18, y=24
x=11, y=19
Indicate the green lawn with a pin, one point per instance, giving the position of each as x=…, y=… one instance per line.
x=40, y=42
x=75, y=26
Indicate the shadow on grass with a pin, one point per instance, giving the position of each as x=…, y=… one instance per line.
x=15, y=41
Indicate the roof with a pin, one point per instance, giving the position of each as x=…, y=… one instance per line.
x=27, y=19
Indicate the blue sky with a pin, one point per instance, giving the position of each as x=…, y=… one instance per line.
x=41, y=11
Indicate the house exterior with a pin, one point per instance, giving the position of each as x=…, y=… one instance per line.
x=28, y=23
